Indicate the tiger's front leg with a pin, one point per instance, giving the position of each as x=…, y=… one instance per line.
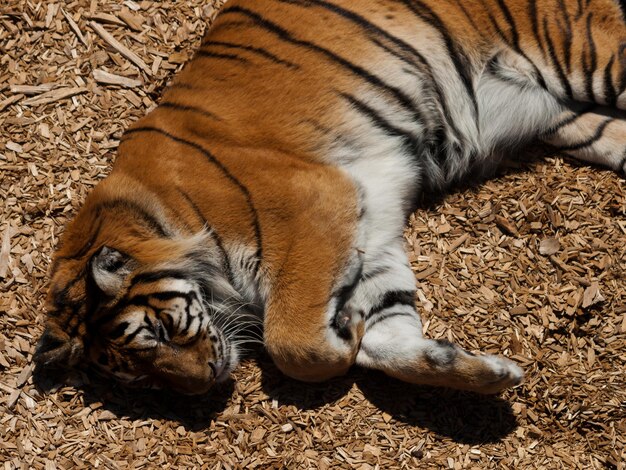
x=393, y=341
x=308, y=334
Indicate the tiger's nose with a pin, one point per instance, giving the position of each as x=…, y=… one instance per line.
x=185, y=370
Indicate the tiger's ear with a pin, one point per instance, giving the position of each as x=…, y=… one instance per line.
x=109, y=268
x=56, y=348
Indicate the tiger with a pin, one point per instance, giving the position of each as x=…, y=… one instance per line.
x=271, y=185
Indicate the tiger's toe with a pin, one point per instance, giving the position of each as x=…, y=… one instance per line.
x=501, y=374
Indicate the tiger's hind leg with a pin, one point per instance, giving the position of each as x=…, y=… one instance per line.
x=594, y=134
x=515, y=108
x=393, y=341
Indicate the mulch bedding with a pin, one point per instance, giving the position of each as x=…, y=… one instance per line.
x=530, y=265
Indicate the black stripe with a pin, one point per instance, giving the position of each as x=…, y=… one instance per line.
x=579, y=10
x=95, y=324
x=567, y=36
x=166, y=319
x=216, y=55
x=621, y=87
x=344, y=293
x=148, y=348
x=256, y=50
x=367, y=275
x=467, y=15
x=391, y=298
x=511, y=21
x=165, y=295
x=380, y=122
x=622, y=6
x=60, y=298
x=212, y=232
x=459, y=59
x=589, y=69
x=413, y=145
x=146, y=278
x=495, y=24
x=610, y=95
x=538, y=75
x=534, y=21
x=555, y=61
x=85, y=248
x=410, y=142
x=415, y=59
x=118, y=330
x=180, y=85
x=131, y=336
x=186, y=108
x=78, y=311
x=286, y=36
x=386, y=316
x=103, y=359
x=188, y=320
x=622, y=165
x=211, y=158
x=149, y=220
x=567, y=121
x=591, y=140
x=430, y=80
x=192, y=339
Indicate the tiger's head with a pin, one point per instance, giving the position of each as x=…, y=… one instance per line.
x=148, y=309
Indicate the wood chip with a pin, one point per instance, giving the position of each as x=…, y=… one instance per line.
x=549, y=246
x=33, y=89
x=132, y=5
x=5, y=251
x=592, y=295
x=106, y=18
x=74, y=27
x=9, y=101
x=118, y=46
x=12, y=399
x=133, y=21
x=506, y=225
x=24, y=375
x=458, y=242
x=15, y=147
x=101, y=76
x=54, y=95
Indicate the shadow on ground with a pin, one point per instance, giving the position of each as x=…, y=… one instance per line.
x=193, y=413
x=464, y=417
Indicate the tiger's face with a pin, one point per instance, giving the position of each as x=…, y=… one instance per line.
x=150, y=325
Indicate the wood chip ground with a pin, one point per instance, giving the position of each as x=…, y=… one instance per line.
x=531, y=265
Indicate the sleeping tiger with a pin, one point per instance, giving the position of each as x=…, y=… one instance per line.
x=273, y=181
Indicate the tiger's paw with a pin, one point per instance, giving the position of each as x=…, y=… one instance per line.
x=482, y=373
x=495, y=374
x=349, y=323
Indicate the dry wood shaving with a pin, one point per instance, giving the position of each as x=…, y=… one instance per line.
x=487, y=279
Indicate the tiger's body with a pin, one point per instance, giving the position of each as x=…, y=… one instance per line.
x=275, y=177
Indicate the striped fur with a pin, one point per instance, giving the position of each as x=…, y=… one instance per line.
x=273, y=181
